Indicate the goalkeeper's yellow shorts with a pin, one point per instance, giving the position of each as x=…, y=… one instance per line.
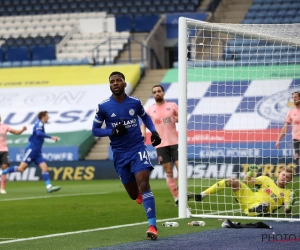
x=247, y=199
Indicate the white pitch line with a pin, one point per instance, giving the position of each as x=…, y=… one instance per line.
x=50, y=196
x=82, y=231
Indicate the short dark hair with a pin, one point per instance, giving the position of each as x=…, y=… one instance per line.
x=116, y=73
x=296, y=92
x=162, y=88
x=42, y=114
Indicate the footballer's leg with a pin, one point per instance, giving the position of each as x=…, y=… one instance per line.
x=142, y=178
x=4, y=160
x=45, y=173
x=217, y=187
x=3, y=179
x=164, y=158
x=141, y=167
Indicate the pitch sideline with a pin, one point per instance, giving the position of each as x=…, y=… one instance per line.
x=50, y=196
x=81, y=231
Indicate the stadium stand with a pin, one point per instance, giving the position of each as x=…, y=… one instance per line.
x=243, y=52
x=55, y=26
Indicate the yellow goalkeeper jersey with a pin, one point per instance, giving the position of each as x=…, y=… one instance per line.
x=268, y=192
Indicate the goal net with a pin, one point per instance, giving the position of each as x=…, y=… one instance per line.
x=235, y=88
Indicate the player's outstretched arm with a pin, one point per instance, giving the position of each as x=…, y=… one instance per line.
x=18, y=131
x=250, y=176
x=54, y=138
x=282, y=134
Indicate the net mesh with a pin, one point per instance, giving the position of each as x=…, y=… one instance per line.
x=240, y=80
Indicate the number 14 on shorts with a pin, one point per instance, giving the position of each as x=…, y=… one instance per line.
x=144, y=156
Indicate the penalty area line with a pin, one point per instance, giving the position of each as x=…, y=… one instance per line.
x=50, y=196
x=80, y=232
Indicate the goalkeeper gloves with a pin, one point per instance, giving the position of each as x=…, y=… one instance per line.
x=253, y=169
x=120, y=129
x=155, y=139
x=292, y=200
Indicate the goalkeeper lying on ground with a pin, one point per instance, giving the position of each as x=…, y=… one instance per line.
x=269, y=196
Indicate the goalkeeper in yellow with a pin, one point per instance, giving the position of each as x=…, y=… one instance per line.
x=270, y=195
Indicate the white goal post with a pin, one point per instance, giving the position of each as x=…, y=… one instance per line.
x=235, y=87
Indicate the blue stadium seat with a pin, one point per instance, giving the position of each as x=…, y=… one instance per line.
x=147, y=2
x=274, y=6
x=288, y=20
x=55, y=62
x=258, y=2
x=26, y=63
x=142, y=9
x=16, y=64
x=35, y=63
x=294, y=6
x=190, y=8
x=286, y=6
x=123, y=24
x=6, y=64
x=120, y=4
x=145, y=23
x=43, y=53
x=115, y=10
x=250, y=15
x=17, y=54
x=45, y=62
x=180, y=8
x=271, y=14
x=261, y=14
x=1, y=55
x=162, y=9
x=152, y=9
x=171, y=9
x=109, y=4
x=281, y=13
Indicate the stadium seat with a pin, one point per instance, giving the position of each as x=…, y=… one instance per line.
x=26, y=63
x=45, y=62
x=44, y=53
x=145, y=23
x=1, y=55
x=17, y=54
x=16, y=64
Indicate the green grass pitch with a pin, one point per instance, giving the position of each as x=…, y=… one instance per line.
x=82, y=215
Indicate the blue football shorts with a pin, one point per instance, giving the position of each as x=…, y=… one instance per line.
x=128, y=164
x=33, y=156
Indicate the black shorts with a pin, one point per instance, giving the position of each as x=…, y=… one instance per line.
x=297, y=148
x=4, y=158
x=167, y=154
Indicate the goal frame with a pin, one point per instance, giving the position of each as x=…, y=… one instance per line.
x=183, y=24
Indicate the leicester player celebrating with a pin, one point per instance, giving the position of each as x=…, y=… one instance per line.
x=33, y=152
x=120, y=113
x=269, y=195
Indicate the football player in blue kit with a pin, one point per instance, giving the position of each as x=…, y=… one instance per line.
x=33, y=152
x=121, y=113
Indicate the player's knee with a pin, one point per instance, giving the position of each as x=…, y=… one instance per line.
x=144, y=186
x=21, y=169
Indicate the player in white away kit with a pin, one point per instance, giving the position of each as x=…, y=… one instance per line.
x=293, y=117
x=164, y=116
x=4, y=157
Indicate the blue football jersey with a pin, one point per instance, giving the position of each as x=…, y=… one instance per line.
x=112, y=113
x=35, y=141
